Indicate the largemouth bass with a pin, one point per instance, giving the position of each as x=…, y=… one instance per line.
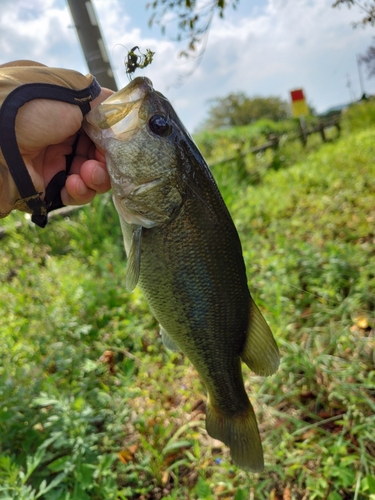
x=185, y=254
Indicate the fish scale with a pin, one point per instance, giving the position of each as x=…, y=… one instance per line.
x=185, y=255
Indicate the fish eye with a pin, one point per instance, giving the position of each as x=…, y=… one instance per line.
x=159, y=125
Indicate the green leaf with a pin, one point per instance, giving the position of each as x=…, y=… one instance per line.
x=241, y=494
x=59, y=464
x=51, y=440
x=174, y=446
x=45, y=401
x=346, y=476
x=368, y=484
x=79, y=403
x=334, y=496
x=85, y=474
x=203, y=489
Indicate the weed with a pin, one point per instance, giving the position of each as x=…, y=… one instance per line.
x=91, y=404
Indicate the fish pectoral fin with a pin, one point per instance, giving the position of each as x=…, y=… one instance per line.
x=167, y=341
x=240, y=433
x=133, y=267
x=260, y=352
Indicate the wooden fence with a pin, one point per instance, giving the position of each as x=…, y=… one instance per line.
x=272, y=143
x=274, y=139
x=320, y=128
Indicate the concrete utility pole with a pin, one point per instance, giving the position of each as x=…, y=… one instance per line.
x=90, y=37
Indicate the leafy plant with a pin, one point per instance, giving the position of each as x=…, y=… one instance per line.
x=92, y=405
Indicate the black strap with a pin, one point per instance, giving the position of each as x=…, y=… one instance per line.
x=9, y=147
x=52, y=197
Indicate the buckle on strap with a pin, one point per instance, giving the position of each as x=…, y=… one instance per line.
x=9, y=147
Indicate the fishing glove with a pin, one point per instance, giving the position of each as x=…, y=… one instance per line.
x=21, y=82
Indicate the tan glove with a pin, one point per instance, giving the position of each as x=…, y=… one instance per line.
x=20, y=83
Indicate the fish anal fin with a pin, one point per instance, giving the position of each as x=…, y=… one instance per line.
x=260, y=352
x=240, y=433
x=133, y=267
x=167, y=341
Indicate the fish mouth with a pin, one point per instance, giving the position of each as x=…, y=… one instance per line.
x=117, y=117
x=136, y=90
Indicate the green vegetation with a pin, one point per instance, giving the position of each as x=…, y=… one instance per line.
x=238, y=109
x=93, y=407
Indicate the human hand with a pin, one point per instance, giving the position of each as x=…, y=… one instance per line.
x=46, y=131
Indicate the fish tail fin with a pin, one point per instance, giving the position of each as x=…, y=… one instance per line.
x=260, y=352
x=240, y=433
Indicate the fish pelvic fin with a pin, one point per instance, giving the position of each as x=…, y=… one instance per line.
x=167, y=341
x=260, y=352
x=240, y=433
x=133, y=267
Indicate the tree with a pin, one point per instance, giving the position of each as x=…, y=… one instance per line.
x=238, y=109
x=193, y=18
x=368, y=7
x=369, y=60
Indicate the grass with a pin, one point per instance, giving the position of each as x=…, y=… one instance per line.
x=93, y=407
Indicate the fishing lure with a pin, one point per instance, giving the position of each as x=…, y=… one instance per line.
x=135, y=61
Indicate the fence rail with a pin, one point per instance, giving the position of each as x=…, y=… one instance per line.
x=272, y=143
x=274, y=139
x=320, y=127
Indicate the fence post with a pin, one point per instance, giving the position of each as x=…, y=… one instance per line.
x=241, y=162
x=322, y=133
x=275, y=141
x=304, y=134
x=338, y=126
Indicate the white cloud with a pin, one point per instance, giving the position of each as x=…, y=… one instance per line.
x=283, y=44
x=39, y=30
x=121, y=35
x=289, y=44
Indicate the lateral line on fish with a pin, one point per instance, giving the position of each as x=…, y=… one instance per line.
x=200, y=198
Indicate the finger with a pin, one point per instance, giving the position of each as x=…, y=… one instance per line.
x=76, y=191
x=104, y=94
x=95, y=176
x=43, y=122
x=85, y=147
x=52, y=160
x=99, y=156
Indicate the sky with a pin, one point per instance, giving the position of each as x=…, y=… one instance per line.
x=263, y=48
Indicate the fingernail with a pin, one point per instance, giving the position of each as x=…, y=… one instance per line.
x=82, y=188
x=98, y=176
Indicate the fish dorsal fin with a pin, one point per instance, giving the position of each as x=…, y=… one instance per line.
x=260, y=352
x=133, y=267
x=167, y=341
